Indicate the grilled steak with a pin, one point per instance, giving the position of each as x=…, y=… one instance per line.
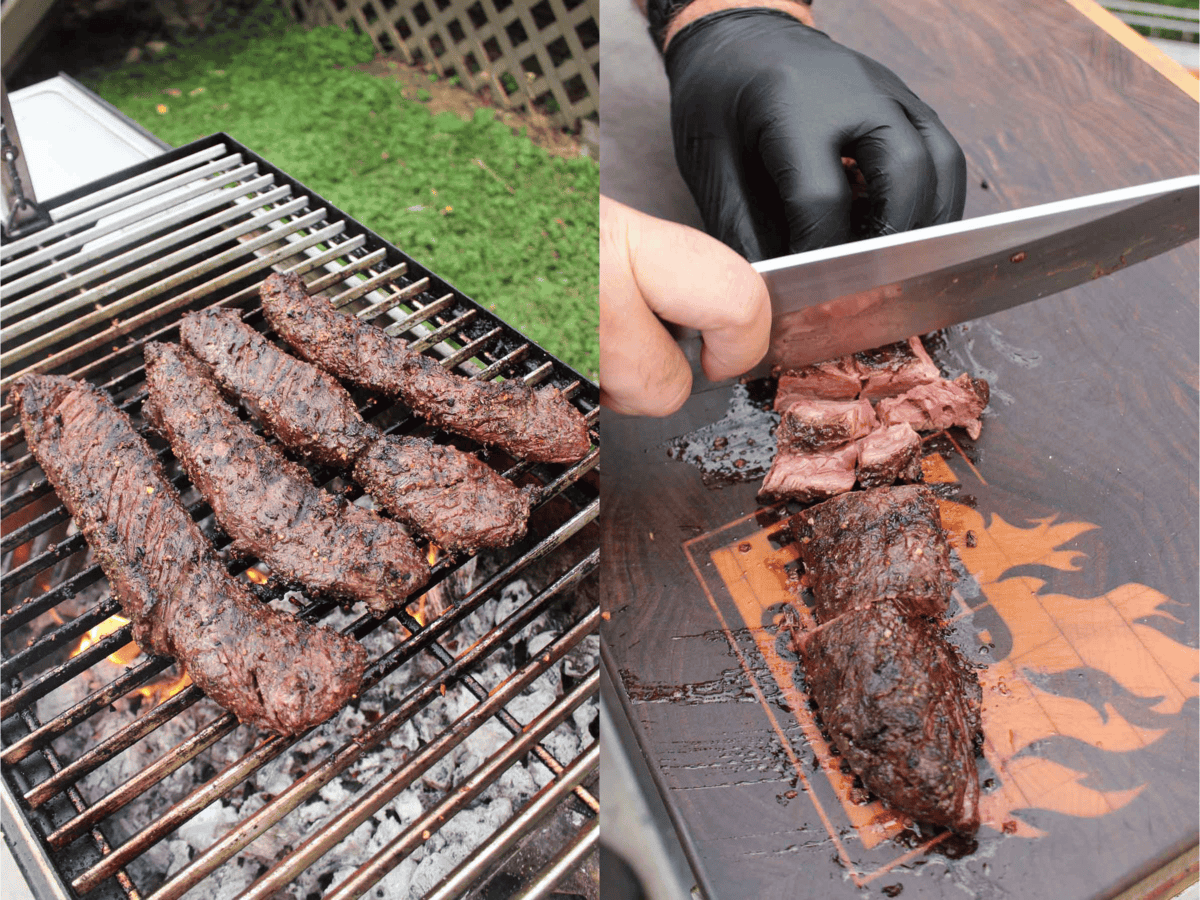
x=306, y=409
x=902, y=706
x=536, y=425
x=889, y=454
x=895, y=368
x=268, y=504
x=866, y=546
x=837, y=379
x=458, y=501
x=939, y=404
x=266, y=667
x=822, y=425
x=811, y=476
x=898, y=700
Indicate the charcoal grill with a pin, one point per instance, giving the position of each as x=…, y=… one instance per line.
x=124, y=259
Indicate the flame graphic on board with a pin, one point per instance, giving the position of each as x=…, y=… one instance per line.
x=1056, y=647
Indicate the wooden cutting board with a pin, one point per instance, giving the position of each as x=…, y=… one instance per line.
x=1073, y=518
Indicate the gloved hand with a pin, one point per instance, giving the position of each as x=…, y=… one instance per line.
x=763, y=108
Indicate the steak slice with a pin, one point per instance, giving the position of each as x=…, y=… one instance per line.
x=265, y=666
x=535, y=425
x=895, y=368
x=867, y=546
x=888, y=455
x=268, y=504
x=458, y=501
x=837, y=379
x=810, y=476
x=821, y=425
x=903, y=707
x=305, y=408
x=938, y=405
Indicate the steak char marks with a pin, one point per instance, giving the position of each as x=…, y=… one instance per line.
x=268, y=504
x=266, y=667
x=538, y=425
x=897, y=698
x=459, y=502
x=298, y=403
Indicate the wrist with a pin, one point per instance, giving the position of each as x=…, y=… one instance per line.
x=675, y=15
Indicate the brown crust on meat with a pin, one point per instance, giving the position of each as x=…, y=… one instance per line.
x=538, y=425
x=884, y=544
x=902, y=706
x=458, y=501
x=305, y=408
x=266, y=667
x=268, y=504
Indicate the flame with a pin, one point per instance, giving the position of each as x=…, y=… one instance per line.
x=419, y=615
x=162, y=688
x=256, y=576
x=122, y=657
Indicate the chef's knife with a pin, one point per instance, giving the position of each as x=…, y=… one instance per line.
x=839, y=300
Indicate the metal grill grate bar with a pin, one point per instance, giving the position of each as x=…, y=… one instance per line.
x=542, y=804
x=69, y=216
x=403, y=844
x=334, y=832
x=183, y=210
x=180, y=300
x=195, y=248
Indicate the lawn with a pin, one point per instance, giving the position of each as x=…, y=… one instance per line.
x=504, y=221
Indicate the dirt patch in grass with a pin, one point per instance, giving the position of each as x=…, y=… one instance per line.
x=444, y=95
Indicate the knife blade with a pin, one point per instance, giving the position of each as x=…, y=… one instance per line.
x=840, y=300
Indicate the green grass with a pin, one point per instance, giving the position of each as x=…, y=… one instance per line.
x=519, y=233
x=1168, y=33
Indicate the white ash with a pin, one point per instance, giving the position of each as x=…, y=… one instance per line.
x=431, y=861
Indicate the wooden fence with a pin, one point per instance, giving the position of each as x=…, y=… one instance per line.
x=543, y=54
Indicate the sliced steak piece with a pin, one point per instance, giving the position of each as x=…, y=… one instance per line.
x=889, y=454
x=885, y=544
x=266, y=667
x=268, y=504
x=895, y=368
x=536, y=425
x=903, y=707
x=305, y=408
x=837, y=379
x=938, y=405
x=810, y=476
x=458, y=501
x=822, y=425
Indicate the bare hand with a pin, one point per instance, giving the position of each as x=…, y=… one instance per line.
x=652, y=271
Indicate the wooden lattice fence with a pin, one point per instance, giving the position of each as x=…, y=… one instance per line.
x=544, y=54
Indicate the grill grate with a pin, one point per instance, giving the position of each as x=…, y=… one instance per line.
x=105, y=777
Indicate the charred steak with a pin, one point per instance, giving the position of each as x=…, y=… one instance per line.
x=268, y=504
x=897, y=698
x=866, y=546
x=902, y=707
x=536, y=425
x=298, y=403
x=458, y=501
x=266, y=667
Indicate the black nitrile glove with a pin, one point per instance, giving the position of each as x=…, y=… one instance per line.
x=763, y=108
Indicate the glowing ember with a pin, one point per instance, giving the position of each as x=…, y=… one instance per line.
x=256, y=576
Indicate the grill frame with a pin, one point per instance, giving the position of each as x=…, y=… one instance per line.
x=478, y=334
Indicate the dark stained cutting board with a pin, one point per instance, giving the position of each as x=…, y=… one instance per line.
x=1078, y=584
